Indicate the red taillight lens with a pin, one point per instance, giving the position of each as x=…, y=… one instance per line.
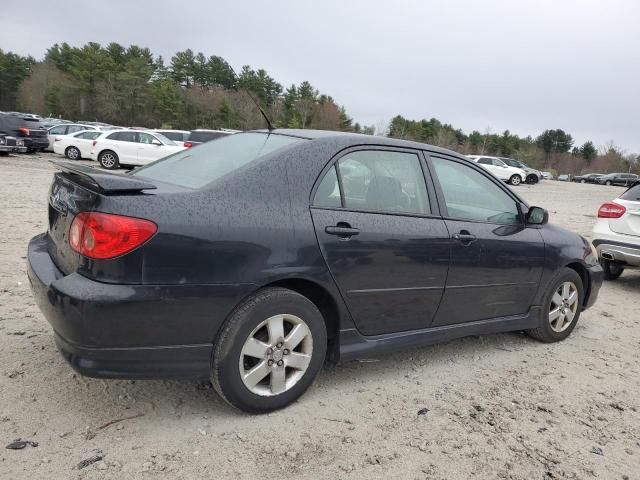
x=24, y=131
x=611, y=210
x=105, y=235
x=188, y=144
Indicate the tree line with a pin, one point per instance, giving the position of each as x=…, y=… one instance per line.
x=130, y=86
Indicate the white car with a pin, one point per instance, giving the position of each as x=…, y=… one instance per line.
x=77, y=145
x=511, y=175
x=66, y=129
x=616, y=234
x=131, y=147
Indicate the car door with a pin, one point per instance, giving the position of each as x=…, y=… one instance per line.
x=496, y=261
x=84, y=141
x=54, y=132
x=147, y=150
x=383, y=240
x=125, y=146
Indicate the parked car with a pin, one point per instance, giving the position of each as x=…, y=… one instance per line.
x=178, y=136
x=25, y=129
x=199, y=136
x=623, y=179
x=533, y=175
x=77, y=145
x=512, y=175
x=587, y=178
x=547, y=175
x=131, y=147
x=248, y=260
x=616, y=233
x=66, y=129
x=51, y=122
x=564, y=178
x=9, y=144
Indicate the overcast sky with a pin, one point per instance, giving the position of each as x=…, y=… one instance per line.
x=522, y=65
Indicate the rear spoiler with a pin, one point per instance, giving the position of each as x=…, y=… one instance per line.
x=102, y=181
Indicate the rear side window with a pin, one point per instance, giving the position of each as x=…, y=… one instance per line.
x=633, y=194
x=123, y=136
x=58, y=130
x=92, y=135
x=196, y=167
x=376, y=180
x=485, y=161
x=77, y=128
x=175, y=136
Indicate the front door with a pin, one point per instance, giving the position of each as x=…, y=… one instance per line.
x=383, y=242
x=496, y=262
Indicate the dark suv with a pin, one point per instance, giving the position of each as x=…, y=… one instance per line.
x=196, y=137
x=624, y=179
x=27, y=129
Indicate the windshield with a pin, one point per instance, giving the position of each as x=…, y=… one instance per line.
x=205, y=163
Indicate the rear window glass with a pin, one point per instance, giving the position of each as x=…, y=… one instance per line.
x=632, y=194
x=201, y=165
x=205, y=136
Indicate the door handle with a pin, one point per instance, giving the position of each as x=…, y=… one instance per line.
x=464, y=237
x=342, y=230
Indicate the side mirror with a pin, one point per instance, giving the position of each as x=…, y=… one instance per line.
x=156, y=142
x=537, y=216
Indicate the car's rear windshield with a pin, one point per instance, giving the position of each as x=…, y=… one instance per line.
x=198, y=166
x=205, y=136
x=633, y=194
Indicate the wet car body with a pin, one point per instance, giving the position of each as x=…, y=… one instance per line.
x=399, y=282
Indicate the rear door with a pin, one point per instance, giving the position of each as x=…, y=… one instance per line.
x=84, y=141
x=384, y=242
x=496, y=262
x=629, y=223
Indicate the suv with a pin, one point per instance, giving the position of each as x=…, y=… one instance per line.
x=10, y=144
x=196, y=137
x=511, y=175
x=27, y=129
x=533, y=175
x=624, y=179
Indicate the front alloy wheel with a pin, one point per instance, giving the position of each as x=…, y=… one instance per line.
x=276, y=355
x=564, y=304
x=515, y=180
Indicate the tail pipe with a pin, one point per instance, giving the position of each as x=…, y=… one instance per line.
x=607, y=255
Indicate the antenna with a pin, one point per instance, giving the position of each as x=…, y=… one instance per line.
x=270, y=127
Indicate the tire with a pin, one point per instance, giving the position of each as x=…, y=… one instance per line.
x=532, y=179
x=611, y=269
x=550, y=329
x=31, y=150
x=608, y=183
x=109, y=159
x=230, y=366
x=515, y=180
x=583, y=181
x=72, y=153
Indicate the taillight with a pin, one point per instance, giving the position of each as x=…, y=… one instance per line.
x=24, y=131
x=188, y=144
x=105, y=235
x=611, y=210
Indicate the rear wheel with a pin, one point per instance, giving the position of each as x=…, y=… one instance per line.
x=532, y=179
x=72, y=153
x=611, y=269
x=269, y=352
x=561, y=308
x=109, y=160
x=608, y=182
x=583, y=181
x=515, y=180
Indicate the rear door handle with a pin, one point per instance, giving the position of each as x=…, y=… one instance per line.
x=463, y=237
x=342, y=230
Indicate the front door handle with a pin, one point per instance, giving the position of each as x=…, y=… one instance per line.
x=342, y=230
x=463, y=237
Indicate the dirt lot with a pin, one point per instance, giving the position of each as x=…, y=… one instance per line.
x=500, y=406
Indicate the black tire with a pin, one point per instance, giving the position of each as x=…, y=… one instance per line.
x=532, y=179
x=515, y=180
x=611, y=269
x=544, y=332
x=109, y=159
x=72, y=153
x=31, y=150
x=225, y=366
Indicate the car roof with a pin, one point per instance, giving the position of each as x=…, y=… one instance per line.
x=358, y=139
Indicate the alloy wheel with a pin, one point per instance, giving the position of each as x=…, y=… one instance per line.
x=108, y=160
x=73, y=153
x=276, y=355
x=564, y=305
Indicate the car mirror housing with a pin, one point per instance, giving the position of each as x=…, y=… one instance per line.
x=156, y=142
x=537, y=216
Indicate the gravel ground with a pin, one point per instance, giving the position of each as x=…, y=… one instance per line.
x=498, y=406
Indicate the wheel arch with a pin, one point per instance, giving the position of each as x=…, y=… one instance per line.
x=581, y=270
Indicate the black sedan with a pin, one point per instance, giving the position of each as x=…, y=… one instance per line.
x=621, y=179
x=250, y=259
x=587, y=178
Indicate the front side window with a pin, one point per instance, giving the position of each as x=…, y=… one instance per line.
x=380, y=180
x=58, y=130
x=145, y=138
x=485, y=161
x=90, y=135
x=469, y=195
x=75, y=128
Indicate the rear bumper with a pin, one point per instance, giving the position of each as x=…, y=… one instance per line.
x=36, y=142
x=616, y=251
x=130, y=331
